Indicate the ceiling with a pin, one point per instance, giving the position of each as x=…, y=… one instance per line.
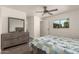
x=31, y=9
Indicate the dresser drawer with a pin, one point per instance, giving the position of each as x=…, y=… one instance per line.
x=8, y=43
x=12, y=39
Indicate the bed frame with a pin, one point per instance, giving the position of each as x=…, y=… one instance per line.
x=37, y=50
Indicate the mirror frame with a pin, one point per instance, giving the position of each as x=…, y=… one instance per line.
x=15, y=19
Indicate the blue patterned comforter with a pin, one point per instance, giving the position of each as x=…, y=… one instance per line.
x=57, y=45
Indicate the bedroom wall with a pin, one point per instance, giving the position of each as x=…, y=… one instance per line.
x=73, y=31
x=36, y=26
x=7, y=12
x=0, y=29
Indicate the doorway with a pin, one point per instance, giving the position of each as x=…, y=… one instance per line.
x=44, y=27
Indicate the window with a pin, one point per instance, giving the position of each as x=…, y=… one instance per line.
x=61, y=23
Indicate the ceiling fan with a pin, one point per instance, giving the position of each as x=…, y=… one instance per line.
x=45, y=10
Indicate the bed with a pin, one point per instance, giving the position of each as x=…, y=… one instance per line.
x=57, y=45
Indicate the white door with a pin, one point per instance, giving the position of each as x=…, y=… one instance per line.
x=44, y=28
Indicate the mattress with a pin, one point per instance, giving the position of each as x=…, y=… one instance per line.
x=57, y=45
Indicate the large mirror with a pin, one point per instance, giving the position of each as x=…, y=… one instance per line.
x=15, y=24
x=61, y=23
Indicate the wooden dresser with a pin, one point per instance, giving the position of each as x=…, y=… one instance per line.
x=13, y=39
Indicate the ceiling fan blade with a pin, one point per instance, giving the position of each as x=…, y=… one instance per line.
x=50, y=13
x=52, y=10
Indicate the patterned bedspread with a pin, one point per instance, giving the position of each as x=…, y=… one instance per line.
x=57, y=45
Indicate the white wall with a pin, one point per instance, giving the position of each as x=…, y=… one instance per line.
x=7, y=12
x=36, y=26
x=0, y=29
x=73, y=31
